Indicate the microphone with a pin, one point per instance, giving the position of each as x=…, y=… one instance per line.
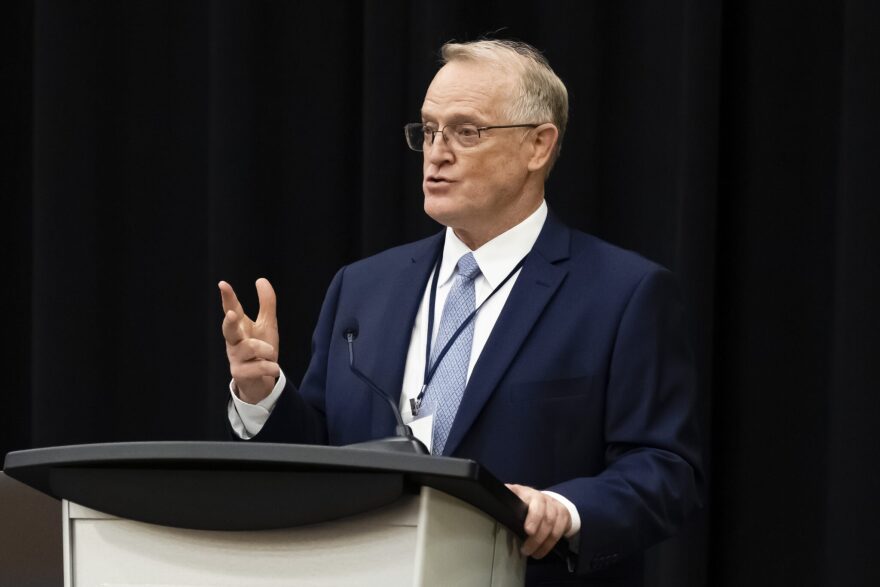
x=404, y=441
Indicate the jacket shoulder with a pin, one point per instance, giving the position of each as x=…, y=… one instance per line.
x=396, y=257
x=608, y=261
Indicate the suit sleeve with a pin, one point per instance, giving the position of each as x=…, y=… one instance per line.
x=299, y=415
x=653, y=478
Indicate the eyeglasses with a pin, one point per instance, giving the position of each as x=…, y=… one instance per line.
x=461, y=135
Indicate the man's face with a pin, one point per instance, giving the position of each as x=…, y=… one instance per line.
x=476, y=189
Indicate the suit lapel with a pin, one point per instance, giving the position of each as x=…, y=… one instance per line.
x=535, y=286
x=398, y=316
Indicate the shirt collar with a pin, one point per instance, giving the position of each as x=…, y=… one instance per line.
x=499, y=256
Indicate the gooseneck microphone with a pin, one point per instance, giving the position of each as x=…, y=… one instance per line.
x=404, y=441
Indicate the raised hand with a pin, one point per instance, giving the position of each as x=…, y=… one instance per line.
x=251, y=345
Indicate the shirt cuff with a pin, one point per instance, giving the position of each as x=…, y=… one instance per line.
x=572, y=511
x=248, y=419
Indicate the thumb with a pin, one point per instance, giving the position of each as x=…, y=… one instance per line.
x=266, y=295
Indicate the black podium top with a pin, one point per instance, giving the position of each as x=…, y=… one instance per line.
x=251, y=486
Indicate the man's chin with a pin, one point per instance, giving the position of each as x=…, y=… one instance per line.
x=441, y=211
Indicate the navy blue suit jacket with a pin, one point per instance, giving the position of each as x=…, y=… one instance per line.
x=585, y=387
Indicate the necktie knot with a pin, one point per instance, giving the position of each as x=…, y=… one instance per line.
x=467, y=267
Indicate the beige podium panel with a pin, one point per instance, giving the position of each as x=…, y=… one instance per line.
x=427, y=540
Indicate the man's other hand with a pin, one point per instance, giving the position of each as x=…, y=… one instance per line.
x=251, y=345
x=546, y=522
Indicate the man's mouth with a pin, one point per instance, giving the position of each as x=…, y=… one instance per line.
x=438, y=179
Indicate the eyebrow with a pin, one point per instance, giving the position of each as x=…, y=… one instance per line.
x=455, y=118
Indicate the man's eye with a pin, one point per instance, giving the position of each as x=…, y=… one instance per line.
x=467, y=132
x=428, y=129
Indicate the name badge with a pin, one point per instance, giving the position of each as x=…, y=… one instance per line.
x=423, y=429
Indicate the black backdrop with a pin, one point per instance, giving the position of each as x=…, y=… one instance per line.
x=153, y=148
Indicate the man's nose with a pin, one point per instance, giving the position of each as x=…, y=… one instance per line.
x=438, y=151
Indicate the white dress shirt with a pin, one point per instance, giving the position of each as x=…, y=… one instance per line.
x=497, y=258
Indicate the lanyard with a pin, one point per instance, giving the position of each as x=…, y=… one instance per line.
x=416, y=404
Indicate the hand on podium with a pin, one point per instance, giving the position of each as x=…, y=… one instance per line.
x=546, y=522
x=251, y=345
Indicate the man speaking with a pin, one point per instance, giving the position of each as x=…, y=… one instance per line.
x=556, y=360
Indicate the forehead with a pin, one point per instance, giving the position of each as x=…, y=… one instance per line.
x=467, y=91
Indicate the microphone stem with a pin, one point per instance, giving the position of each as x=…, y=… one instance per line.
x=402, y=429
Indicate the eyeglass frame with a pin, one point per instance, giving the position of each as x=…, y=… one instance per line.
x=479, y=130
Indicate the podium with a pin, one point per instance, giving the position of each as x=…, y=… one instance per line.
x=257, y=514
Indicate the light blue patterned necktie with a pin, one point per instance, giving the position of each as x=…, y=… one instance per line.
x=447, y=385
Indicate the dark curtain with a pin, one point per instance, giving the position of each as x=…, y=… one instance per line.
x=154, y=148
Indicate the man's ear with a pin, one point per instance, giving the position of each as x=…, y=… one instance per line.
x=543, y=142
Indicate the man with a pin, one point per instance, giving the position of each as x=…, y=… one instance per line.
x=573, y=381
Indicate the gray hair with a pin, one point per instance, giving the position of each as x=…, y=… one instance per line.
x=541, y=95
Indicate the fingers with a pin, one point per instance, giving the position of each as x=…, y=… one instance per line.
x=251, y=349
x=266, y=295
x=254, y=380
x=232, y=330
x=546, y=522
x=251, y=371
x=554, y=532
x=254, y=368
x=563, y=523
x=535, y=526
x=229, y=299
